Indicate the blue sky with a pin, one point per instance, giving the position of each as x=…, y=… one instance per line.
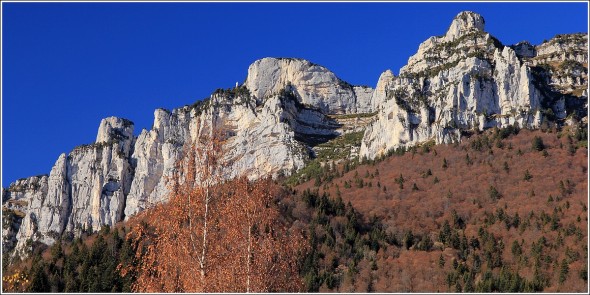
x=68, y=65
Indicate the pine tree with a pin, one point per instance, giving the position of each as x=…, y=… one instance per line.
x=527, y=175
x=441, y=261
x=39, y=280
x=445, y=233
x=516, y=249
x=493, y=193
x=408, y=239
x=538, y=144
x=400, y=181
x=56, y=251
x=584, y=274
x=563, y=271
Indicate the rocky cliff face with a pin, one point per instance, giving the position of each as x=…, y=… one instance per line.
x=265, y=138
x=466, y=80
x=312, y=84
x=20, y=197
x=84, y=190
x=154, y=157
x=562, y=64
x=271, y=122
x=275, y=122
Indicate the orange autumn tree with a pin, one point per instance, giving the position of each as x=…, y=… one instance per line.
x=214, y=236
x=263, y=253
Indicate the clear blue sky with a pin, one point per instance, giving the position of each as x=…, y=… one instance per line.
x=68, y=65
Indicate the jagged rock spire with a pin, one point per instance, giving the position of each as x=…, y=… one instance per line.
x=465, y=22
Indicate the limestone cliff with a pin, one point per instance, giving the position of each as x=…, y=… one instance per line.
x=84, y=190
x=467, y=80
x=312, y=84
x=271, y=123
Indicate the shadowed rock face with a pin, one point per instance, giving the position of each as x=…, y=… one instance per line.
x=464, y=79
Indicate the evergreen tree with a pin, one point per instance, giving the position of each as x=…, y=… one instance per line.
x=538, y=144
x=584, y=274
x=494, y=194
x=400, y=181
x=441, y=261
x=445, y=233
x=56, y=251
x=39, y=280
x=516, y=249
x=563, y=271
x=408, y=239
x=527, y=175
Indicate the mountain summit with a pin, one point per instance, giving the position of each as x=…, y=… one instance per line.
x=464, y=23
x=312, y=85
x=469, y=80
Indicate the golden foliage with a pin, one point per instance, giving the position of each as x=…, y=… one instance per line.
x=16, y=282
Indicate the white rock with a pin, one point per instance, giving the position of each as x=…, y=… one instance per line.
x=465, y=93
x=524, y=49
x=31, y=192
x=464, y=23
x=380, y=93
x=312, y=84
x=364, y=99
x=87, y=188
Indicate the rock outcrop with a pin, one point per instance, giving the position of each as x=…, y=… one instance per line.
x=84, y=191
x=379, y=95
x=268, y=139
x=524, y=49
x=154, y=157
x=464, y=23
x=562, y=64
x=467, y=80
x=312, y=84
x=22, y=196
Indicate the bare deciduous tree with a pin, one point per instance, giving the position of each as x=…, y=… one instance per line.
x=263, y=253
x=215, y=235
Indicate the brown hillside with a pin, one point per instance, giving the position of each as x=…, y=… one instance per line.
x=507, y=213
x=484, y=182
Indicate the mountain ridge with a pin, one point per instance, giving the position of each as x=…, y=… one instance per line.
x=287, y=107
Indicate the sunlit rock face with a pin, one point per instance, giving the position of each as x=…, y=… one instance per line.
x=312, y=84
x=269, y=126
x=85, y=189
x=465, y=80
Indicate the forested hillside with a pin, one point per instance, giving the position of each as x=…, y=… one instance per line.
x=503, y=211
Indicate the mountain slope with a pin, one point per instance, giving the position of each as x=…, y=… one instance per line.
x=515, y=212
x=291, y=115
x=371, y=232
